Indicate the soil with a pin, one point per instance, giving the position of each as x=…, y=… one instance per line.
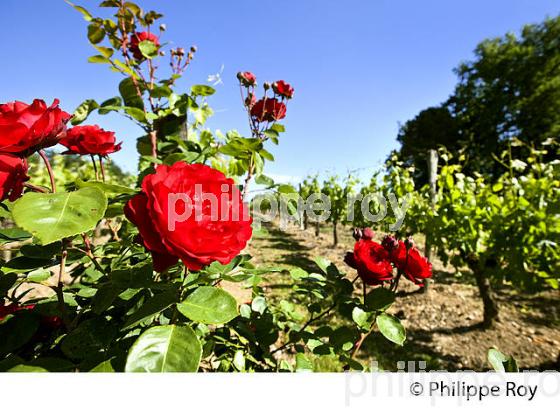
x=443, y=326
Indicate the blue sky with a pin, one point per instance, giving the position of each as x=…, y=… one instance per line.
x=359, y=67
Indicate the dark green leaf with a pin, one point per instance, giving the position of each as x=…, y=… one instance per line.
x=83, y=111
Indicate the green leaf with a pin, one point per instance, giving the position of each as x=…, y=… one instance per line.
x=391, y=328
x=98, y=60
x=202, y=90
x=361, y=318
x=83, y=111
x=86, y=14
x=286, y=189
x=209, y=305
x=106, y=52
x=239, y=361
x=129, y=93
x=264, y=180
x=96, y=33
x=89, y=338
x=109, y=189
x=379, y=299
x=17, y=331
x=303, y=364
x=502, y=363
x=165, y=349
x=103, y=367
x=148, y=49
x=23, y=368
x=38, y=275
x=52, y=217
x=151, y=308
x=14, y=235
x=259, y=304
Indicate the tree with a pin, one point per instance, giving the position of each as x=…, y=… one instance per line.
x=430, y=129
x=510, y=89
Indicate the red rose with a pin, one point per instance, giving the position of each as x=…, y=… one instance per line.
x=283, y=89
x=90, y=140
x=26, y=128
x=268, y=109
x=190, y=212
x=409, y=261
x=13, y=173
x=247, y=78
x=371, y=261
x=135, y=41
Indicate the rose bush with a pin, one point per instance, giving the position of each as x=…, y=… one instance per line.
x=131, y=276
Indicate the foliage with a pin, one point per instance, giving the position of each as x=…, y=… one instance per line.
x=100, y=305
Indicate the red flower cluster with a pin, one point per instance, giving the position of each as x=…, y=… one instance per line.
x=90, y=140
x=190, y=212
x=136, y=39
x=267, y=109
x=375, y=262
x=25, y=129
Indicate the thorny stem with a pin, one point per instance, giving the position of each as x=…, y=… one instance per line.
x=89, y=253
x=361, y=342
x=49, y=169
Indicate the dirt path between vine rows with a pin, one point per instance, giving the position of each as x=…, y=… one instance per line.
x=442, y=326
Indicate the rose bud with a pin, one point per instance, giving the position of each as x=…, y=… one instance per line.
x=193, y=49
x=283, y=89
x=26, y=128
x=170, y=230
x=250, y=100
x=390, y=243
x=357, y=234
x=266, y=86
x=135, y=41
x=90, y=140
x=409, y=242
x=162, y=27
x=247, y=78
x=368, y=234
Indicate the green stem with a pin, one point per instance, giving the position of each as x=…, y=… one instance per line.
x=49, y=169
